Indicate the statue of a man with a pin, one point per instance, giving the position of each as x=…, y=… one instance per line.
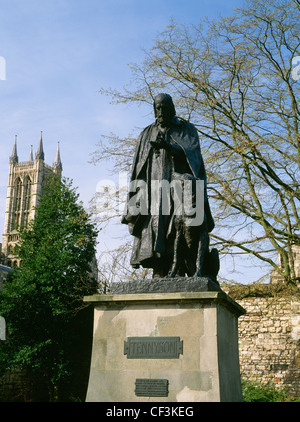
x=167, y=150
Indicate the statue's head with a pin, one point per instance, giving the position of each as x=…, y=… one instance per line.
x=164, y=109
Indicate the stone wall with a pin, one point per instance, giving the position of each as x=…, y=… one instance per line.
x=22, y=386
x=269, y=340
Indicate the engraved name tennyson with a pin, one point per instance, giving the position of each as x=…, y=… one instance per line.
x=153, y=347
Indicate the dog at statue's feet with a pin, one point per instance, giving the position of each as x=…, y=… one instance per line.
x=191, y=253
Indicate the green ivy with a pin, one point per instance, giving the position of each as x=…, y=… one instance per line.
x=253, y=391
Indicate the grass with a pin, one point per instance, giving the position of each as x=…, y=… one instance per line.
x=257, y=392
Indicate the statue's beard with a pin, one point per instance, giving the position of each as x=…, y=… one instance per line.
x=164, y=120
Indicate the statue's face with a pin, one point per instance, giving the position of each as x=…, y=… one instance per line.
x=163, y=111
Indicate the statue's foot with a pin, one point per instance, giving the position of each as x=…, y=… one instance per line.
x=198, y=273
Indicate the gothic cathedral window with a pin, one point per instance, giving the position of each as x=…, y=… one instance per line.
x=27, y=198
x=17, y=204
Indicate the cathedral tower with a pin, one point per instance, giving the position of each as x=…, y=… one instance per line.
x=25, y=184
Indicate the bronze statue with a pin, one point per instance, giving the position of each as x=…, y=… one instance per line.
x=168, y=157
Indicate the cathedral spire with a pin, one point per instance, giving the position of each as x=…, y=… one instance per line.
x=31, y=154
x=57, y=162
x=14, y=155
x=40, y=151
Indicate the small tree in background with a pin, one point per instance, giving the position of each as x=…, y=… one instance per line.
x=41, y=300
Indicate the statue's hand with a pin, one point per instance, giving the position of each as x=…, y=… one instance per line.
x=160, y=142
x=156, y=144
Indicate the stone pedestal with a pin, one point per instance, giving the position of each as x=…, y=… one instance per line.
x=165, y=347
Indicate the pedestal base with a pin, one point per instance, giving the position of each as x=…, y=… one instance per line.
x=165, y=347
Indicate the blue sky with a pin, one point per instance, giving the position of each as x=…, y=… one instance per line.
x=58, y=54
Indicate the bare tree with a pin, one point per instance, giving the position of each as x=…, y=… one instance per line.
x=234, y=78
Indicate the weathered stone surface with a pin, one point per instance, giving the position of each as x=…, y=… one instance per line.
x=166, y=285
x=269, y=337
